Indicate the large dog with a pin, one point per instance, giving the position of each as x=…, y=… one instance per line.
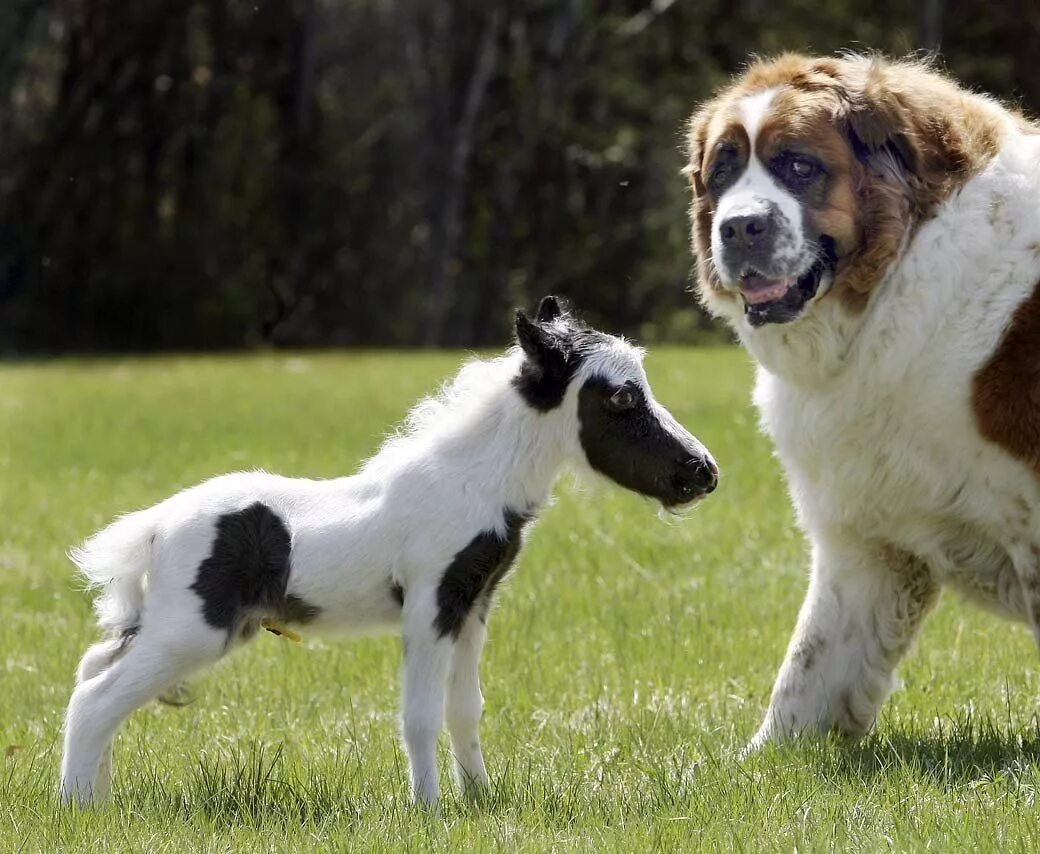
x=871, y=230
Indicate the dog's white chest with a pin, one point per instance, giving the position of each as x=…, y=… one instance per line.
x=903, y=465
x=864, y=457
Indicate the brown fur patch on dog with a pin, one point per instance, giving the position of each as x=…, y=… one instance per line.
x=1006, y=390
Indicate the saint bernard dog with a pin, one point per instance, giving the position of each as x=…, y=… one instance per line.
x=871, y=231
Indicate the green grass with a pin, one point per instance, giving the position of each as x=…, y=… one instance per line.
x=629, y=659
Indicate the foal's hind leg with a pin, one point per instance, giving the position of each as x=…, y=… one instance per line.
x=101, y=703
x=95, y=660
x=465, y=705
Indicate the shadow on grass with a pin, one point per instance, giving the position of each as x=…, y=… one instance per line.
x=950, y=753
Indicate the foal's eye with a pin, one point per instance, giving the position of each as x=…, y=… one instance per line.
x=624, y=398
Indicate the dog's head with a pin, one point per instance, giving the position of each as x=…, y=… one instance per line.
x=809, y=175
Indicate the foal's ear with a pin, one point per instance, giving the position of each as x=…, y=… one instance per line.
x=548, y=309
x=536, y=342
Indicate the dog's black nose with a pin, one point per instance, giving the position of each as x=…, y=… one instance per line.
x=746, y=230
x=696, y=476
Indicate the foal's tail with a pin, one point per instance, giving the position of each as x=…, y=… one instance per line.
x=115, y=560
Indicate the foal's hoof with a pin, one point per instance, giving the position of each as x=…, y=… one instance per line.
x=81, y=797
x=427, y=808
x=474, y=790
x=178, y=695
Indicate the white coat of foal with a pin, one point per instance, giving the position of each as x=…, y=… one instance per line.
x=419, y=539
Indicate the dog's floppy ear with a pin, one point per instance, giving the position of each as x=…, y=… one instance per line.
x=696, y=139
x=901, y=120
x=548, y=309
x=701, y=211
x=879, y=125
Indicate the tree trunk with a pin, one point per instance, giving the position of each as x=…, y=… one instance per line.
x=448, y=226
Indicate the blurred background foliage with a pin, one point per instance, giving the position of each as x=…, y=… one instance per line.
x=221, y=173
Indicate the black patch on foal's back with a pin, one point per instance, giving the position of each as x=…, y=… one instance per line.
x=248, y=570
x=475, y=572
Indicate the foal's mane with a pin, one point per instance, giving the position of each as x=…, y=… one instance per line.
x=484, y=383
x=458, y=400
x=476, y=379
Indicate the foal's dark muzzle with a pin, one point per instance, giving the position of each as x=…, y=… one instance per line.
x=694, y=478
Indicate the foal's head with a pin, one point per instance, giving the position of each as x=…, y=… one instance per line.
x=596, y=383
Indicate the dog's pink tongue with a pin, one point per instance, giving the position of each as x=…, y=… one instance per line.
x=757, y=289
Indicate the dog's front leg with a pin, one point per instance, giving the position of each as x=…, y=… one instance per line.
x=1024, y=596
x=865, y=604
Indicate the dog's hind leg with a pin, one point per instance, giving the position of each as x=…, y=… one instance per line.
x=151, y=662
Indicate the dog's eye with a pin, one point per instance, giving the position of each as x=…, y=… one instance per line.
x=801, y=168
x=717, y=177
x=621, y=400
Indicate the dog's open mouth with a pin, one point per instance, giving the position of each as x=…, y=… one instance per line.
x=782, y=300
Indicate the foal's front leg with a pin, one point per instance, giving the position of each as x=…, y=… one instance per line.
x=465, y=705
x=427, y=656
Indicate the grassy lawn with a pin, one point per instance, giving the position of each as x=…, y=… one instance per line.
x=629, y=658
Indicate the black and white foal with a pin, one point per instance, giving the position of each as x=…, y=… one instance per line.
x=420, y=538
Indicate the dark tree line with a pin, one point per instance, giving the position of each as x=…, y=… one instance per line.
x=210, y=173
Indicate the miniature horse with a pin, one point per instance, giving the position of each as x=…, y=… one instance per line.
x=419, y=538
